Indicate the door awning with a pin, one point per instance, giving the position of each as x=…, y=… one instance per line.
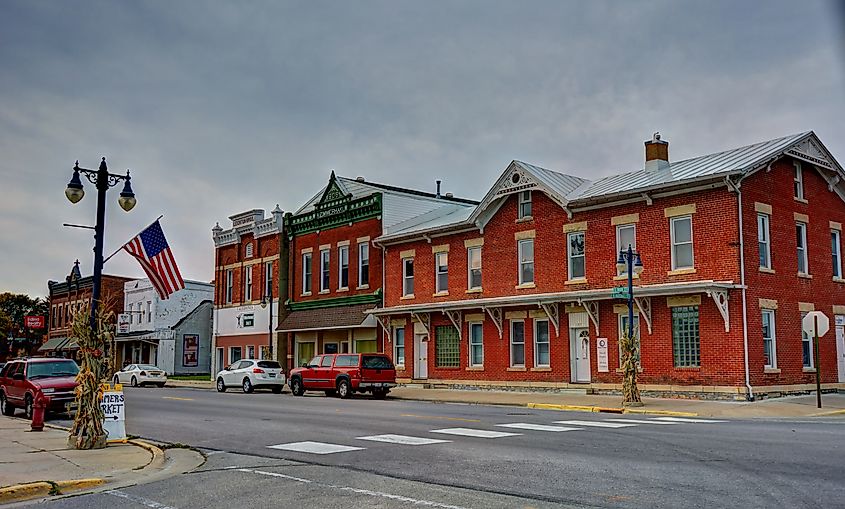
x=52, y=344
x=341, y=317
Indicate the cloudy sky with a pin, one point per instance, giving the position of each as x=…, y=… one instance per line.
x=222, y=107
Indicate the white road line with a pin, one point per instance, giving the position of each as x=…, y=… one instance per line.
x=597, y=424
x=381, y=494
x=403, y=440
x=682, y=419
x=536, y=427
x=477, y=433
x=152, y=504
x=314, y=447
x=640, y=421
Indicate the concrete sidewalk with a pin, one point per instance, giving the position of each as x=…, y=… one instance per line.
x=789, y=406
x=40, y=464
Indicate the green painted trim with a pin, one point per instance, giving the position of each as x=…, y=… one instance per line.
x=367, y=298
x=334, y=213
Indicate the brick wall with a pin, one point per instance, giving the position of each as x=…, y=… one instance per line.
x=234, y=257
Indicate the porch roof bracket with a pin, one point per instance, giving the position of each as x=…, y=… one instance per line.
x=424, y=320
x=644, y=307
x=455, y=318
x=553, y=312
x=720, y=297
x=496, y=317
x=384, y=321
x=592, y=309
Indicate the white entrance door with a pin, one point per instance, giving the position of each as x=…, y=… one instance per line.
x=420, y=356
x=840, y=347
x=580, y=354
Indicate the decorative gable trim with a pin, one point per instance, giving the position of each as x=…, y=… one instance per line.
x=808, y=150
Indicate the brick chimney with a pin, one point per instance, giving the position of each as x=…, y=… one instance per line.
x=656, y=154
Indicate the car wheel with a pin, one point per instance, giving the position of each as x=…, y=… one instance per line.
x=277, y=389
x=5, y=407
x=379, y=393
x=247, y=386
x=331, y=393
x=134, y=381
x=344, y=390
x=221, y=387
x=160, y=385
x=296, y=387
x=27, y=406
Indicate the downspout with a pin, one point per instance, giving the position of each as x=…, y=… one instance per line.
x=736, y=188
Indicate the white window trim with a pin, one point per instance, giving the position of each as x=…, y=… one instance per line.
x=406, y=277
x=798, y=178
x=548, y=342
x=803, y=248
x=469, y=266
x=306, y=276
x=522, y=201
x=340, y=251
x=763, y=225
x=672, y=222
x=812, y=364
x=620, y=247
x=248, y=283
x=773, y=360
x=399, y=361
x=229, y=283
x=570, y=257
x=437, y=272
x=471, y=344
x=325, y=268
x=149, y=311
x=363, y=247
x=838, y=269
x=519, y=259
x=510, y=340
x=268, y=278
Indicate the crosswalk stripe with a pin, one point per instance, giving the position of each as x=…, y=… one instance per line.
x=536, y=427
x=640, y=421
x=314, y=447
x=477, y=433
x=403, y=440
x=597, y=424
x=682, y=419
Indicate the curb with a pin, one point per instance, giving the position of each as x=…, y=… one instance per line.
x=831, y=412
x=609, y=410
x=40, y=489
x=157, y=453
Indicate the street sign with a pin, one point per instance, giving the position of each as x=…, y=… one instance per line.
x=34, y=322
x=123, y=323
x=815, y=323
x=114, y=417
x=601, y=350
x=619, y=292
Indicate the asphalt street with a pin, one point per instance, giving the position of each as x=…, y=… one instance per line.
x=276, y=450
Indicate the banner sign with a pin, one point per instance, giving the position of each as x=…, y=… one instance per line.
x=123, y=323
x=34, y=322
x=601, y=349
x=190, y=350
x=114, y=417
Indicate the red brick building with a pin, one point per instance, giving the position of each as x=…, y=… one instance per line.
x=335, y=269
x=247, y=265
x=735, y=246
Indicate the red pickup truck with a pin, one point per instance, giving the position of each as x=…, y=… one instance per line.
x=344, y=374
x=21, y=381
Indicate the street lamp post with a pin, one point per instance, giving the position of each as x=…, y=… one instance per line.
x=102, y=180
x=267, y=301
x=630, y=260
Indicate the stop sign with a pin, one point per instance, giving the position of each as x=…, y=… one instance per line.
x=814, y=323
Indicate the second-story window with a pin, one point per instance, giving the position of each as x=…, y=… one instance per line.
x=149, y=312
x=836, y=253
x=229, y=280
x=577, y=268
x=626, y=235
x=407, y=277
x=343, y=267
x=306, y=273
x=363, y=264
x=268, y=278
x=763, y=241
x=681, y=232
x=526, y=261
x=525, y=204
x=801, y=245
x=798, y=182
x=324, y=270
x=474, y=266
x=248, y=283
x=441, y=262
x=248, y=250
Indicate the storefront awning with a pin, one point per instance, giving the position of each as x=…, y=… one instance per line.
x=148, y=336
x=52, y=344
x=341, y=317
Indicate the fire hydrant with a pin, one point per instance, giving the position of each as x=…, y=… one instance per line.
x=39, y=408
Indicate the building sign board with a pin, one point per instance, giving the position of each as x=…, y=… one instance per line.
x=34, y=322
x=114, y=416
x=619, y=292
x=123, y=323
x=601, y=350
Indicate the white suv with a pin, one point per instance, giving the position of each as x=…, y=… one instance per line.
x=251, y=374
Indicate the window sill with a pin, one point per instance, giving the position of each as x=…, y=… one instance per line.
x=541, y=368
x=341, y=290
x=323, y=292
x=687, y=368
x=478, y=290
x=678, y=272
x=808, y=370
x=407, y=297
x=624, y=277
x=639, y=369
x=766, y=270
x=800, y=200
x=771, y=371
x=305, y=294
x=579, y=281
x=516, y=369
x=525, y=219
x=363, y=287
x=440, y=294
x=523, y=286
x=805, y=275
x=474, y=368
x=838, y=280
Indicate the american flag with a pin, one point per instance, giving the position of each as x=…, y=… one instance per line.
x=152, y=252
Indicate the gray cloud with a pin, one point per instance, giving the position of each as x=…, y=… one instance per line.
x=221, y=107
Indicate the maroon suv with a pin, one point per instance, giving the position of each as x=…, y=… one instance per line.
x=21, y=381
x=345, y=373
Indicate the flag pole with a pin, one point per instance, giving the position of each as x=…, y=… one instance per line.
x=130, y=240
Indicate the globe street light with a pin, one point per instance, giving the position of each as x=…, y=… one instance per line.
x=102, y=180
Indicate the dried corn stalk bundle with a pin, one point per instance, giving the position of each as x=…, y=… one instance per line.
x=630, y=360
